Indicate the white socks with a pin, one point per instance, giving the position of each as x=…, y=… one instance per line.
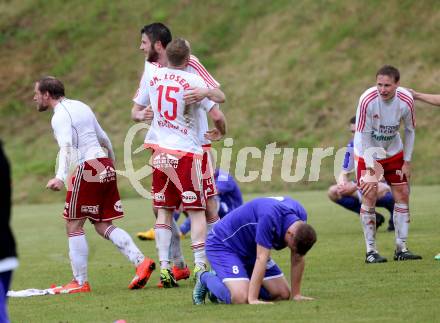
x=368, y=221
x=78, y=254
x=125, y=244
x=401, y=225
x=163, y=236
x=199, y=252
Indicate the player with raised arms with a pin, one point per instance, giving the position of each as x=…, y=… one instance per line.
x=154, y=39
x=178, y=152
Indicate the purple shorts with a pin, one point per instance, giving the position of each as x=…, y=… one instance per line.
x=229, y=266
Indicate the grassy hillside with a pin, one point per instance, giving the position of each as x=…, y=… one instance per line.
x=292, y=72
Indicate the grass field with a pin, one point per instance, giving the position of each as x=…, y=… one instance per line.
x=346, y=290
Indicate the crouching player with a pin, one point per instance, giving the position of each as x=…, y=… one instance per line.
x=239, y=247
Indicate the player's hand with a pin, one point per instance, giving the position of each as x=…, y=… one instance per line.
x=195, y=94
x=413, y=93
x=55, y=184
x=368, y=186
x=345, y=188
x=406, y=170
x=300, y=298
x=146, y=114
x=213, y=134
x=258, y=302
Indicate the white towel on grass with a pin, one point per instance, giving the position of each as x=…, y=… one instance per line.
x=30, y=292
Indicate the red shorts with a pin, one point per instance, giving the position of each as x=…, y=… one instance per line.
x=177, y=180
x=209, y=186
x=392, y=169
x=93, y=192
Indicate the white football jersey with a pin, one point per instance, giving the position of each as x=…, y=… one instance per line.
x=175, y=126
x=195, y=67
x=78, y=134
x=378, y=123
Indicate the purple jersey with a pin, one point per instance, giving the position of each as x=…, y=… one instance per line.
x=262, y=221
x=229, y=193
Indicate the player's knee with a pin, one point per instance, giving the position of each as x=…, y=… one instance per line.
x=239, y=297
x=332, y=193
x=211, y=210
x=284, y=294
x=100, y=229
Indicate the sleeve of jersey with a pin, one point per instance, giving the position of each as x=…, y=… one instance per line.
x=62, y=129
x=348, y=164
x=196, y=67
x=142, y=96
x=409, y=119
x=364, y=126
x=265, y=231
x=104, y=140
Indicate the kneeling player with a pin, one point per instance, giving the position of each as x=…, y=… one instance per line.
x=239, y=246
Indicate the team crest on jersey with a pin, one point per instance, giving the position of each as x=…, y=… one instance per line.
x=118, y=206
x=189, y=197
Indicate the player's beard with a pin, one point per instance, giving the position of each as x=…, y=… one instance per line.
x=153, y=56
x=42, y=108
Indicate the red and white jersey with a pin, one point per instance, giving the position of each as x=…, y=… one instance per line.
x=195, y=67
x=175, y=126
x=378, y=123
x=78, y=134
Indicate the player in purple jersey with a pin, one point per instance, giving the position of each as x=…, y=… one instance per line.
x=239, y=247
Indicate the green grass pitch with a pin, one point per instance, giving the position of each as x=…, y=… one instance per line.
x=346, y=289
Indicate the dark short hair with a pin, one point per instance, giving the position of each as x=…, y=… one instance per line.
x=390, y=71
x=353, y=120
x=178, y=52
x=51, y=85
x=304, y=238
x=157, y=32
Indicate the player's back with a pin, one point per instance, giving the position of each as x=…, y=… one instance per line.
x=175, y=125
x=241, y=228
x=82, y=122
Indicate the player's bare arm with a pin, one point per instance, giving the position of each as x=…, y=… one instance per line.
x=263, y=255
x=197, y=94
x=219, y=120
x=297, y=264
x=433, y=99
